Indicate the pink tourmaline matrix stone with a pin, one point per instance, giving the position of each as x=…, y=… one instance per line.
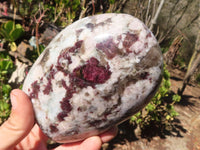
x=95, y=73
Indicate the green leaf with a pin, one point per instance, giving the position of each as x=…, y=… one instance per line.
x=133, y=118
x=159, y=96
x=9, y=26
x=139, y=121
x=8, y=64
x=167, y=84
x=168, y=117
x=138, y=114
x=1, y=105
x=166, y=74
x=173, y=113
x=4, y=34
x=6, y=106
x=5, y=64
x=4, y=72
x=11, y=32
x=150, y=107
x=6, y=88
x=176, y=98
x=16, y=33
x=18, y=26
x=13, y=46
x=163, y=91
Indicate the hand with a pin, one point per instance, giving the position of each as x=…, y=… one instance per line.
x=20, y=132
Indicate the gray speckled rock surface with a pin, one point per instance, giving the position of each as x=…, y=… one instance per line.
x=94, y=74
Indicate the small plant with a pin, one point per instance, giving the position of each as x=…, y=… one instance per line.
x=4, y=102
x=10, y=33
x=160, y=110
x=6, y=68
x=64, y=12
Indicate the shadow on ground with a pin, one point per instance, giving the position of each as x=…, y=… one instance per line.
x=186, y=100
x=131, y=132
x=126, y=133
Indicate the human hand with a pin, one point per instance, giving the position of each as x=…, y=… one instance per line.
x=20, y=132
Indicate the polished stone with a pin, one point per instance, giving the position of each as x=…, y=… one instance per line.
x=94, y=74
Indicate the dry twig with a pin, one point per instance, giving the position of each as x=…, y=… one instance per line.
x=84, y=9
x=38, y=22
x=147, y=13
x=154, y=20
x=57, y=15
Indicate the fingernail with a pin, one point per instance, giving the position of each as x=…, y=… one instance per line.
x=13, y=98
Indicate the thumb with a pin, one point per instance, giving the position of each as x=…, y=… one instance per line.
x=20, y=122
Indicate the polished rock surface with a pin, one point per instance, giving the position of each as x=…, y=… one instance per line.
x=94, y=74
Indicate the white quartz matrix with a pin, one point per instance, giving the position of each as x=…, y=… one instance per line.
x=94, y=74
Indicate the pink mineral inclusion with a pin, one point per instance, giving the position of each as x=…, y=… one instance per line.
x=36, y=88
x=94, y=73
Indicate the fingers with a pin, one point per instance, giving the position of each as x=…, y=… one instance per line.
x=92, y=143
x=35, y=140
x=109, y=135
x=20, y=122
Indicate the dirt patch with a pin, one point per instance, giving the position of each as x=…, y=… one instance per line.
x=184, y=134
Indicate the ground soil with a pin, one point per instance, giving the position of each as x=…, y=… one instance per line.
x=184, y=133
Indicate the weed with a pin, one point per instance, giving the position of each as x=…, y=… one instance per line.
x=6, y=68
x=10, y=33
x=160, y=110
